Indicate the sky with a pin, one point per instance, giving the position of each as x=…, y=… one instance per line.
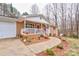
x=25, y=7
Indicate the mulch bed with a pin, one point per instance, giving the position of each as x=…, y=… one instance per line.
x=56, y=50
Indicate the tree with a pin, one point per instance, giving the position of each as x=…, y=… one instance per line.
x=77, y=19
x=4, y=9
x=25, y=13
x=11, y=7
x=47, y=11
x=35, y=9
x=63, y=18
x=55, y=13
x=71, y=20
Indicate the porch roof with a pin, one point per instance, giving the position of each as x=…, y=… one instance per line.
x=42, y=21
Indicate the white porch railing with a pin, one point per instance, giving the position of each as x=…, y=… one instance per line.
x=34, y=30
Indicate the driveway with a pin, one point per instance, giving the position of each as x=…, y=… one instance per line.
x=14, y=47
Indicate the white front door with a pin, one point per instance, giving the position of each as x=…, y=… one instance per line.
x=7, y=29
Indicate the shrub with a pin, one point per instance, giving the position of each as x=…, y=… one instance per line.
x=50, y=52
x=41, y=35
x=50, y=34
x=60, y=46
x=72, y=36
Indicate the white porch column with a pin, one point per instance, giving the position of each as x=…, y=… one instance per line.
x=24, y=23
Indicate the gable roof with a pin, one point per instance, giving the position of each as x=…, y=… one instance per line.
x=42, y=20
x=35, y=15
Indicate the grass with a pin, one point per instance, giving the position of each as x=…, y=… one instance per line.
x=72, y=53
x=50, y=52
x=73, y=46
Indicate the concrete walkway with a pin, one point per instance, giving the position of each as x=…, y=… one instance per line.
x=39, y=47
x=14, y=47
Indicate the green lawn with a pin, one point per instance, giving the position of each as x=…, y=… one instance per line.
x=73, y=46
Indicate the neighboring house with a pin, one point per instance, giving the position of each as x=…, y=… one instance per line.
x=7, y=27
x=31, y=21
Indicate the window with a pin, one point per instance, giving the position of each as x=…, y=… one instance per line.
x=28, y=25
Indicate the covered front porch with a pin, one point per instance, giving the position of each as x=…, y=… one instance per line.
x=31, y=27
